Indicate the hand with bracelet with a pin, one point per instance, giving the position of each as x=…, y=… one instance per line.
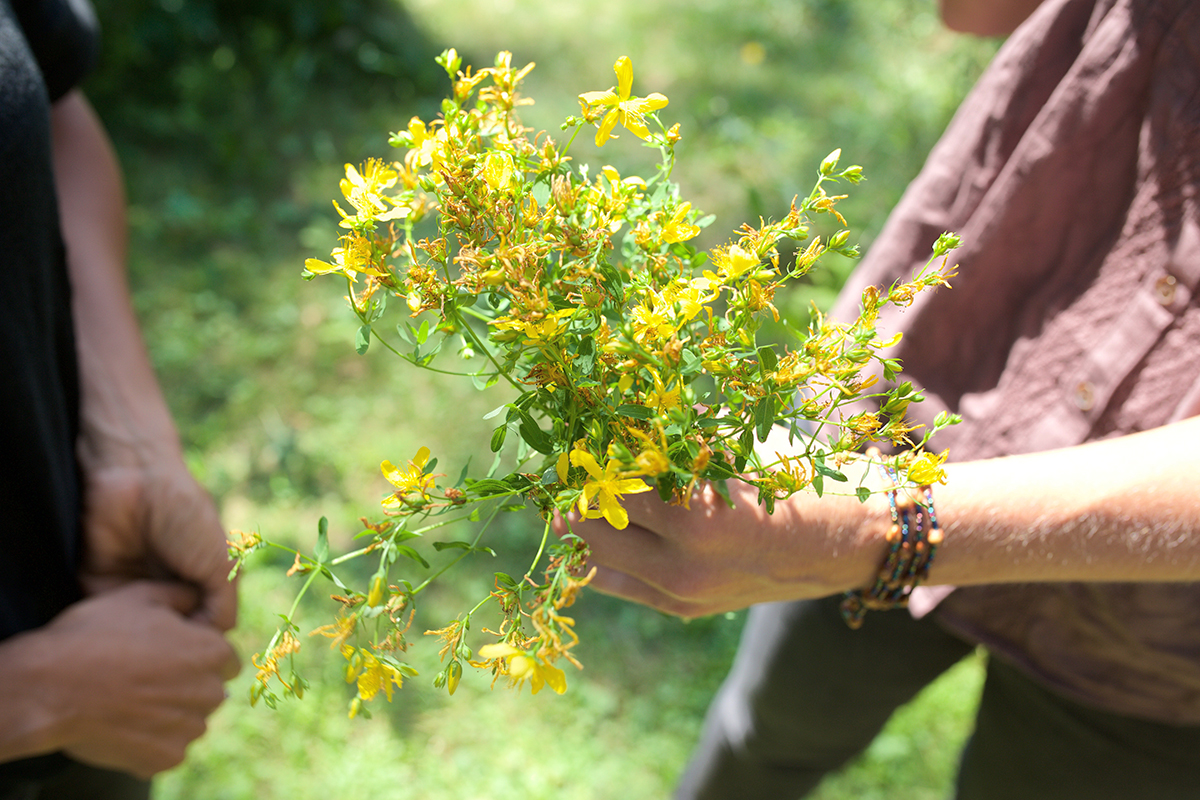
x=1121, y=509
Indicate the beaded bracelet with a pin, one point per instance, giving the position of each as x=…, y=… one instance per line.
x=913, y=540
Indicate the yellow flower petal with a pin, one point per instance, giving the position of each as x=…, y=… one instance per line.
x=613, y=511
x=606, y=126
x=556, y=679
x=624, y=70
x=582, y=458
x=498, y=650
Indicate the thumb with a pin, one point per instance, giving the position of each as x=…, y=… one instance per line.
x=180, y=597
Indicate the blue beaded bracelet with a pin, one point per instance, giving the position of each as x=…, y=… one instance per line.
x=913, y=540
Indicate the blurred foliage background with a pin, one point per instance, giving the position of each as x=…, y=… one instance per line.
x=233, y=121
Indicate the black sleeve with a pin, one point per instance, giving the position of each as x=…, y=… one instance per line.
x=64, y=38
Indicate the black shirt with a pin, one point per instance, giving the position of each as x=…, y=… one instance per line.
x=46, y=47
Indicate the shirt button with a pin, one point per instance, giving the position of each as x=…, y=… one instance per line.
x=1085, y=396
x=1164, y=288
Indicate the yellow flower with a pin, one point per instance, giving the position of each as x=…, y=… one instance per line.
x=927, y=469
x=536, y=331
x=548, y=327
x=351, y=259
x=621, y=106
x=428, y=148
x=371, y=674
x=653, y=318
x=678, y=229
x=653, y=460
x=736, y=262
x=498, y=170
x=692, y=295
x=606, y=488
x=364, y=191
x=660, y=398
x=409, y=480
x=523, y=667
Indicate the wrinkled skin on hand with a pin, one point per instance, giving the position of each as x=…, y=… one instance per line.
x=710, y=557
x=155, y=521
x=129, y=678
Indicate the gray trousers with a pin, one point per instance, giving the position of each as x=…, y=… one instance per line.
x=806, y=694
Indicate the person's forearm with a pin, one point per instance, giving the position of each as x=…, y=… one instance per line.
x=122, y=406
x=1123, y=509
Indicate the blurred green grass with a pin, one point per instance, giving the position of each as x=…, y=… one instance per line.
x=233, y=122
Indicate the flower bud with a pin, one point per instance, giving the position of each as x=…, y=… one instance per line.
x=453, y=676
x=830, y=162
x=375, y=595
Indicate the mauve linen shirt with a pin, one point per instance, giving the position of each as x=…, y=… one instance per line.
x=1072, y=172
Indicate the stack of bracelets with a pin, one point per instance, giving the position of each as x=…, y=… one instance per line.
x=913, y=540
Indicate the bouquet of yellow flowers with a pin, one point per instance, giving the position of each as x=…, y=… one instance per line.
x=628, y=359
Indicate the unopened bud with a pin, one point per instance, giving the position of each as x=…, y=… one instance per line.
x=830, y=162
x=853, y=174
x=375, y=596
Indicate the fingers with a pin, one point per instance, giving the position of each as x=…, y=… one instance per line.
x=143, y=676
x=619, y=584
x=219, y=607
x=179, y=597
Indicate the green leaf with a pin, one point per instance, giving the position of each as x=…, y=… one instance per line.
x=498, y=437
x=534, y=436
x=718, y=470
x=829, y=472
x=585, y=359
x=746, y=443
x=336, y=580
x=488, y=486
x=440, y=546
x=764, y=416
x=722, y=488
x=863, y=494
x=484, y=381
x=321, y=551
x=506, y=580
x=423, y=332
x=362, y=340
x=635, y=411
x=408, y=552
x=767, y=361
x=818, y=483
x=666, y=486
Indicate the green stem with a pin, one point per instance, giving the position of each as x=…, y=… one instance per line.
x=461, y=556
x=541, y=549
